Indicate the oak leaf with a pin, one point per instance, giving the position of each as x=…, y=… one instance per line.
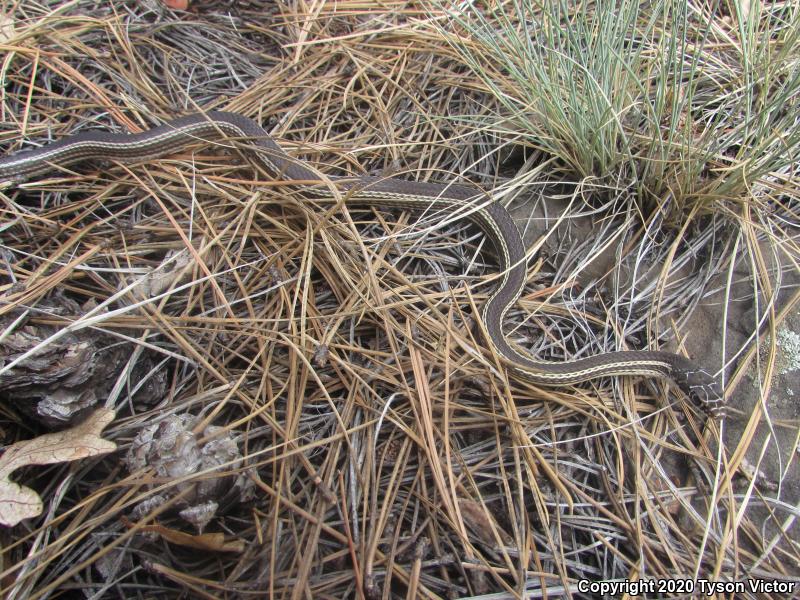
x=18, y=502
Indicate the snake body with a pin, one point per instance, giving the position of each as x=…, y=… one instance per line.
x=701, y=387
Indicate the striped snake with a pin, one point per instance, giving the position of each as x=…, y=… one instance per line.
x=495, y=222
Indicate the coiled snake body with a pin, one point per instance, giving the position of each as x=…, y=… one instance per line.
x=702, y=388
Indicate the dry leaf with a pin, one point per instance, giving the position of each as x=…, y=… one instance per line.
x=172, y=271
x=19, y=502
x=210, y=542
x=481, y=523
x=177, y=4
x=6, y=28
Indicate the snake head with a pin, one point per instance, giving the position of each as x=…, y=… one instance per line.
x=703, y=389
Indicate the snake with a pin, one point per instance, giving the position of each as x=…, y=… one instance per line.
x=494, y=221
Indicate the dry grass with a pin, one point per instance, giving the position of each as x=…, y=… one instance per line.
x=388, y=452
